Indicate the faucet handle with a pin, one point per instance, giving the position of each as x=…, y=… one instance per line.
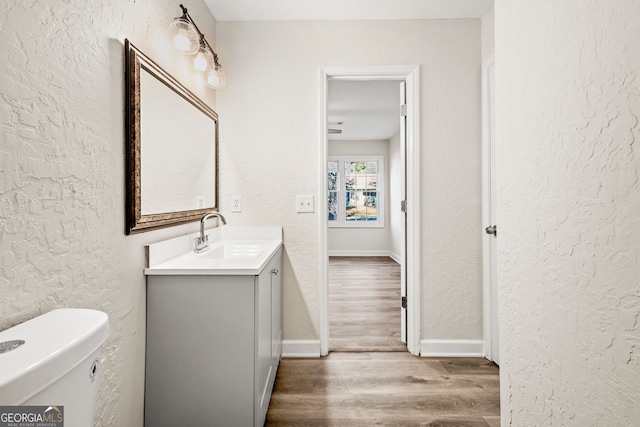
x=202, y=243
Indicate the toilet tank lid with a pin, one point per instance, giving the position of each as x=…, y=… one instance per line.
x=55, y=343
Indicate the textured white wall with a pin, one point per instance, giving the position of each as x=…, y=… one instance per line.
x=568, y=108
x=270, y=150
x=62, y=145
x=362, y=239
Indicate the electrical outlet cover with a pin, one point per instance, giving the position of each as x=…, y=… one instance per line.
x=200, y=202
x=236, y=203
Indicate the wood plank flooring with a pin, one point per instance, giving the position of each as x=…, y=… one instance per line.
x=385, y=389
x=364, y=304
x=369, y=379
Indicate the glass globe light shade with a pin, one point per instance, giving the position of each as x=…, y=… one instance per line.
x=185, y=36
x=204, y=58
x=216, y=78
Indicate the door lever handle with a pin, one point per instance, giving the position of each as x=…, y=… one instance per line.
x=492, y=229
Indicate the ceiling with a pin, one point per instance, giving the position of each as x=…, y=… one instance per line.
x=287, y=10
x=369, y=110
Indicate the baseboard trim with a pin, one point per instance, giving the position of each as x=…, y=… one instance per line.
x=300, y=348
x=361, y=253
x=452, y=348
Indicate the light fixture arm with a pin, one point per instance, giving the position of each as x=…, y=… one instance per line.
x=186, y=16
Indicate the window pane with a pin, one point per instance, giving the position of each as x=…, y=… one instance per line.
x=361, y=206
x=332, y=173
x=371, y=198
x=333, y=181
x=372, y=182
x=372, y=167
x=372, y=205
x=355, y=167
x=348, y=168
x=351, y=199
x=333, y=206
x=351, y=203
x=350, y=181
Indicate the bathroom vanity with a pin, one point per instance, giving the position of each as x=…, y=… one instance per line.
x=214, y=328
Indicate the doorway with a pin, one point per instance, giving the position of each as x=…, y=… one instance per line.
x=408, y=306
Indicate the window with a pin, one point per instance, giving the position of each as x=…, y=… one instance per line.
x=355, y=191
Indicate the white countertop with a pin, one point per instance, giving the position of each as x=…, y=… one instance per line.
x=233, y=250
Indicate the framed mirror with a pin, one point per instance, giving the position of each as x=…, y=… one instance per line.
x=172, y=155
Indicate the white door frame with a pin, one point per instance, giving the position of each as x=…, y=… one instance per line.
x=403, y=216
x=489, y=279
x=410, y=73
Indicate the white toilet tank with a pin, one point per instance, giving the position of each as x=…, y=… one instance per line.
x=53, y=360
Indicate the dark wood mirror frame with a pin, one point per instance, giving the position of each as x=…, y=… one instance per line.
x=137, y=62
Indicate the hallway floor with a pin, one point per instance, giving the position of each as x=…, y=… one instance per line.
x=364, y=304
x=369, y=378
x=385, y=389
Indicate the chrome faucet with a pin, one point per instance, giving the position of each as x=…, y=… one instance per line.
x=202, y=241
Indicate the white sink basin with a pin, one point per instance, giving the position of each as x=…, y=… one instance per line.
x=232, y=251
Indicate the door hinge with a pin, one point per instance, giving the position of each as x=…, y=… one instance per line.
x=404, y=302
x=403, y=206
x=403, y=110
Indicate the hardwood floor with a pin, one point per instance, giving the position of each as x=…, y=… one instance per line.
x=385, y=389
x=369, y=378
x=364, y=304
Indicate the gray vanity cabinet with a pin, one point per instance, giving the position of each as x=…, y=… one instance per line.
x=213, y=347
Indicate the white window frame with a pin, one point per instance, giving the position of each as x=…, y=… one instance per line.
x=341, y=222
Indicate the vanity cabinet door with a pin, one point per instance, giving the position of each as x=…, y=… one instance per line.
x=276, y=312
x=263, y=346
x=200, y=353
x=269, y=329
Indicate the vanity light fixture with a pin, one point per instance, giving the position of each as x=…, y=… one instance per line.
x=215, y=76
x=184, y=33
x=188, y=39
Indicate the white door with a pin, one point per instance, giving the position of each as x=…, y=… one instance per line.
x=490, y=204
x=403, y=217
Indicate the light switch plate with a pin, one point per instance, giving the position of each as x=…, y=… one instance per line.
x=304, y=204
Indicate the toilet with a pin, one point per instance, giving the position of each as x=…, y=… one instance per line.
x=53, y=361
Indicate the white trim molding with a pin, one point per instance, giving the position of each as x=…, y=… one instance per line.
x=452, y=348
x=362, y=253
x=300, y=348
x=394, y=256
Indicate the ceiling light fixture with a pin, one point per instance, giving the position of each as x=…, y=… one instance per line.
x=188, y=39
x=334, y=130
